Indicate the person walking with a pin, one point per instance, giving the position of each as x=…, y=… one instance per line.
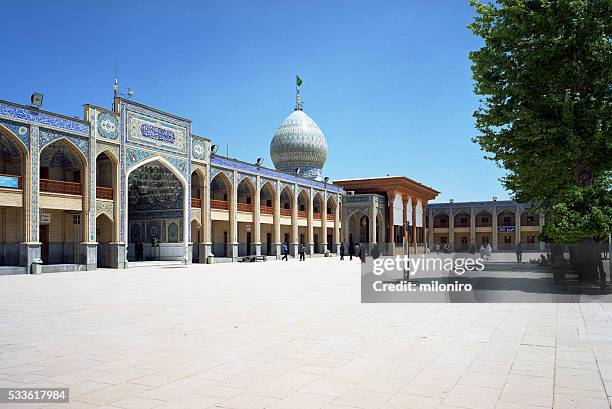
x=351, y=251
x=285, y=252
x=519, y=252
x=362, y=254
x=438, y=248
x=302, y=252
x=341, y=251
x=482, y=252
x=358, y=250
x=489, y=251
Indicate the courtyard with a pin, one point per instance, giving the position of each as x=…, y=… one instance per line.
x=291, y=335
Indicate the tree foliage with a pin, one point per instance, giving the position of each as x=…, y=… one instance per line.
x=545, y=77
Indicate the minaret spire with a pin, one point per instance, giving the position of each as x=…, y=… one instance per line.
x=299, y=104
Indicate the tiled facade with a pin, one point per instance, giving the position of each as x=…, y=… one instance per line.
x=132, y=135
x=468, y=225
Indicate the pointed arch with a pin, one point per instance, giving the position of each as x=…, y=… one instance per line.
x=69, y=144
x=182, y=180
x=11, y=135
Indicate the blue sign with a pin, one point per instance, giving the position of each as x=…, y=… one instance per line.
x=9, y=181
x=506, y=229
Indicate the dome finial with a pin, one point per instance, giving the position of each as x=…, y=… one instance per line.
x=299, y=104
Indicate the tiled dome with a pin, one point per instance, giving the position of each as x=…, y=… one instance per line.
x=299, y=143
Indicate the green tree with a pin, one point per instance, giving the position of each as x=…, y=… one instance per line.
x=544, y=74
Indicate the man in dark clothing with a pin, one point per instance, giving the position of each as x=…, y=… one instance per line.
x=341, y=251
x=351, y=251
x=519, y=252
x=302, y=252
x=362, y=253
x=285, y=252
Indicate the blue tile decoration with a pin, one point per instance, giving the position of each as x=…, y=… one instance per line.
x=199, y=148
x=48, y=136
x=35, y=171
x=168, y=136
x=9, y=181
x=108, y=125
x=273, y=174
x=20, y=130
x=147, y=127
x=43, y=119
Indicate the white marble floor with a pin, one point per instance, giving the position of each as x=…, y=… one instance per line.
x=291, y=335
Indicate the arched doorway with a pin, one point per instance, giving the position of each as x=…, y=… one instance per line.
x=156, y=218
x=246, y=217
x=317, y=214
x=63, y=227
x=104, y=236
x=220, y=194
x=359, y=228
x=267, y=201
x=331, y=223
x=286, y=207
x=13, y=155
x=303, y=220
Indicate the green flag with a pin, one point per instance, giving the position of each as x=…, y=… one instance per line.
x=298, y=80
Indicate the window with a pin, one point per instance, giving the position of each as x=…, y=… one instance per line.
x=464, y=220
x=507, y=239
x=76, y=219
x=484, y=219
x=507, y=219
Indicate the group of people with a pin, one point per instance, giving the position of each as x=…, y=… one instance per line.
x=357, y=250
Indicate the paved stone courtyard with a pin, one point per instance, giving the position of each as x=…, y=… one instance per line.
x=290, y=335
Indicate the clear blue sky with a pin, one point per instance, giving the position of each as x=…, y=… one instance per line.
x=389, y=83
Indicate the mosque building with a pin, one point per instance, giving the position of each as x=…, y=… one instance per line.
x=134, y=183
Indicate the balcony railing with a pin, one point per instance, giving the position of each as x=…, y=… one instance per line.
x=316, y=216
x=219, y=204
x=245, y=207
x=285, y=212
x=330, y=217
x=480, y=223
x=8, y=181
x=440, y=225
x=266, y=210
x=302, y=214
x=105, y=193
x=196, y=202
x=60, y=186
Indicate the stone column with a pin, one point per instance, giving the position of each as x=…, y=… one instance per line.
x=310, y=246
x=405, y=237
x=414, y=226
x=276, y=249
x=293, y=248
x=337, y=226
x=373, y=213
x=472, y=226
x=324, y=222
x=117, y=247
x=88, y=248
x=390, y=199
x=494, y=224
x=424, y=216
x=206, y=249
x=451, y=228
x=232, y=245
x=257, y=218
x=431, y=227
x=31, y=247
